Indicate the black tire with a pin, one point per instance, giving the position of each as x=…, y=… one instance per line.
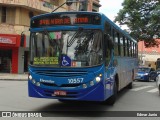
x=112, y=99
x=130, y=85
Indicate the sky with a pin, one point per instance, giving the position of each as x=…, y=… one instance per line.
x=110, y=8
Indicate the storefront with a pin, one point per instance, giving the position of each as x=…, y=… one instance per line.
x=12, y=48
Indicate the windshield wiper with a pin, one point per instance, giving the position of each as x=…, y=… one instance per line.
x=50, y=39
x=71, y=41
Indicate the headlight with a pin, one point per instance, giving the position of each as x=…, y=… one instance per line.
x=98, y=79
x=146, y=74
x=30, y=77
x=33, y=81
x=38, y=84
x=84, y=86
x=91, y=83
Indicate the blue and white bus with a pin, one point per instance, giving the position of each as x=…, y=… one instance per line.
x=81, y=56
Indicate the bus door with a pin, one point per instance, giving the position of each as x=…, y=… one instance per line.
x=109, y=67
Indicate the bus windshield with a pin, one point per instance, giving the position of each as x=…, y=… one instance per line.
x=77, y=48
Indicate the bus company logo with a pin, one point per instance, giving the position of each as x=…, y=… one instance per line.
x=47, y=81
x=21, y=114
x=6, y=114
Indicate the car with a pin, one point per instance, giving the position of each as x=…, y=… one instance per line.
x=146, y=74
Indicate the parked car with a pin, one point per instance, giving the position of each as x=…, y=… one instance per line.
x=146, y=74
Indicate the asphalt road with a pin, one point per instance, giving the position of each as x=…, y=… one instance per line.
x=143, y=97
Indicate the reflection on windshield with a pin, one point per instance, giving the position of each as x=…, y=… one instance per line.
x=67, y=48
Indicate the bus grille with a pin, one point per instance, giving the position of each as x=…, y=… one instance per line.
x=63, y=85
x=56, y=73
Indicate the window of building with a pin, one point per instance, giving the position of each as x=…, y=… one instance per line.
x=3, y=14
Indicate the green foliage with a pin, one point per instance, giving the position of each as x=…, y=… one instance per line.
x=142, y=18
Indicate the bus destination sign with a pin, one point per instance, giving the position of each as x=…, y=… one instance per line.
x=65, y=19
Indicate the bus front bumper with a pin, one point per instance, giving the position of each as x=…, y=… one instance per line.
x=94, y=93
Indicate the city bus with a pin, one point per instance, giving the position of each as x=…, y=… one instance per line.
x=79, y=56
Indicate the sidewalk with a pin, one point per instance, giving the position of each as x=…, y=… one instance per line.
x=13, y=77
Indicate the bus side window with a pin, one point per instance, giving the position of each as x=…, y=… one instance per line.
x=116, y=44
x=121, y=46
x=107, y=28
x=108, y=42
x=124, y=46
x=126, y=51
x=107, y=49
x=128, y=48
x=136, y=50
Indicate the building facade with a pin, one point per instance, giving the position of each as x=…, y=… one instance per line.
x=148, y=56
x=14, y=28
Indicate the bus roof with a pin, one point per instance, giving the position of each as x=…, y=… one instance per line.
x=118, y=28
x=87, y=12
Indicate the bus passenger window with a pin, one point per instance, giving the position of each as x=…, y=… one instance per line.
x=124, y=46
x=136, y=50
x=121, y=46
x=107, y=28
x=126, y=51
x=128, y=48
x=115, y=44
x=108, y=48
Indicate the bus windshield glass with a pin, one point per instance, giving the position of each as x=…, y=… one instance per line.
x=79, y=48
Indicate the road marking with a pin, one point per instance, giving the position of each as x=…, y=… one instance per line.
x=153, y=90
x=141, y=88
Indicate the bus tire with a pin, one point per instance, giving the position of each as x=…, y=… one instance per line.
x=130, y=85
x=112, y=99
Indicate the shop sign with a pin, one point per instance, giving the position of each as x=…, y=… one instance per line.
x=8, y=40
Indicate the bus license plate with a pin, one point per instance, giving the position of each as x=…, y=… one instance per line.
x=60, y=93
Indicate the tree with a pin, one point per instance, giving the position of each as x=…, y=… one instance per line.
x=143, y=19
